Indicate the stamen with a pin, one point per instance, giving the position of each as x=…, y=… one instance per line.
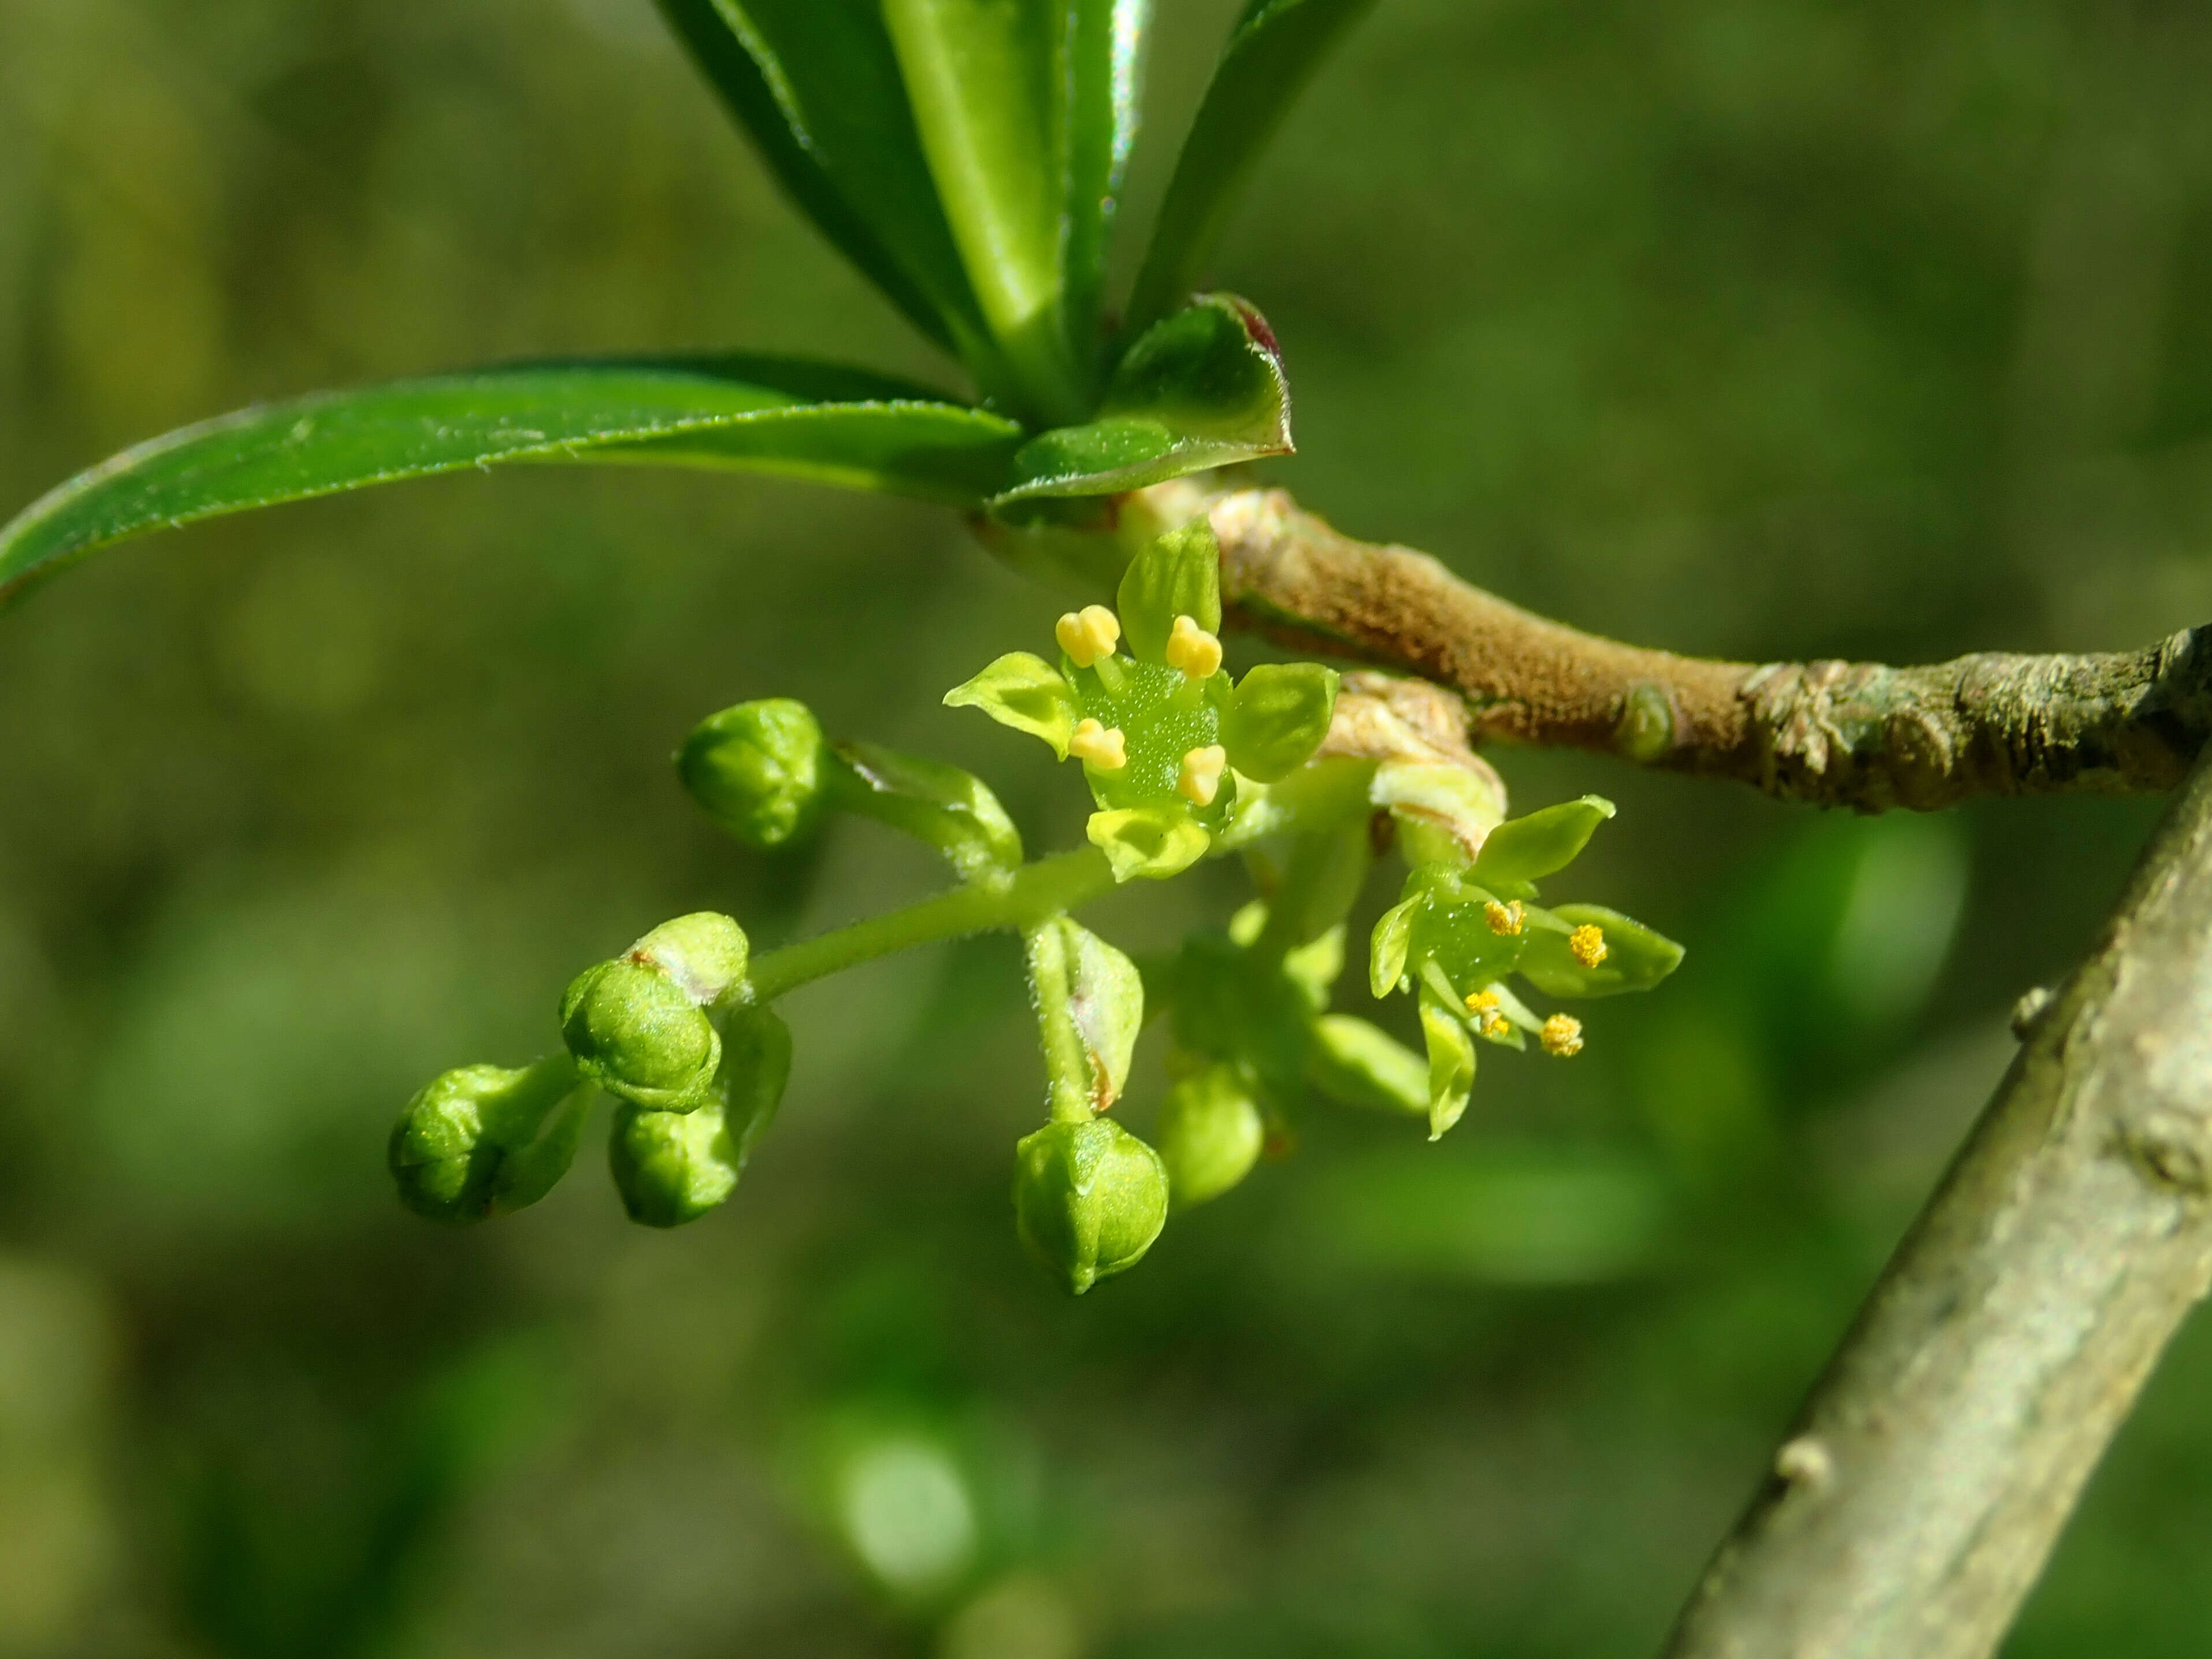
x=1562, y=1036
x=1193, y=650
x=1491, y=1024
x=1506, y=919
x=1088, y=634
x=1587, y=943
x=1483, y=1001
x=1201, y=774
x=1103, y=746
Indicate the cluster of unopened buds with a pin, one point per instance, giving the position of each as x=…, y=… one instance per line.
x=1301, y=774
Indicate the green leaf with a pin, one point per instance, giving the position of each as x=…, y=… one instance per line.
x=1272, y=54
x=818, y=85
x=1025, y=692
x=1177, y=574
x=1278, y=717
x=1451, y=1062
x=765, y=414
x=1204, y=388
x=1153, y=841
x=1525, y=850
x=953, y=810
x=1636, y=958
x=1026, y=112
x=1106, y=1000
x=1360, y=1065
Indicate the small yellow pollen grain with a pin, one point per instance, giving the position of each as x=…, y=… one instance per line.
x=1562, y=1036
x=1507, y=919
x=1088, y=634
x=1103, y=746
x=1479, y=1001
x=1587, y=943
x=1201, y=774
x=1193, y=650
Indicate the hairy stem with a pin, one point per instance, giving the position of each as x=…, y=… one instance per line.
x=1915, y=1501
x=1031, y=894
x=1831, y=733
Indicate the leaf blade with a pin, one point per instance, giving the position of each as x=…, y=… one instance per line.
x=1204, y=388
x=816, y=85
x=754, y=413
x=1272, y=54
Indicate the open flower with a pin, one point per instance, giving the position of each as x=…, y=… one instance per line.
x=1140, y=698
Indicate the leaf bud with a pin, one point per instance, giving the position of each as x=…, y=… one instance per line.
x=758, y=769
x=1089, y=1198
x=674, y=1167
x=483, y=1140
x=1210, y=1135
x=634, y=1031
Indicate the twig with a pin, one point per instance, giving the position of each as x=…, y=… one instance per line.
x=1914, y=1504
x=1831, y=733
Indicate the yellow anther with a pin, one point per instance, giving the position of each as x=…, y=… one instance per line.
x=1088, y=634
x=1192, y=649
x=1103, y=746
x=1493, y=1024
x=1587, y=943
x=1562, y=1036
x=1483, y=1001
x=1507, y=919
x=1201, y=774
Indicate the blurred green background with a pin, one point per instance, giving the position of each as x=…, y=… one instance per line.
x=1767, y=328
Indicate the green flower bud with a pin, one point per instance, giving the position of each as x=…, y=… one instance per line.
x=634, y=1031
x=1211, y=1132
x=759, y=771
x=705, y=953
x=1089, y=1198
x=483, y=1140
x=673, y=1167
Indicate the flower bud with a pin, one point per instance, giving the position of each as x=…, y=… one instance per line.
x=1210, y=1135
x=759, y=771
x=634, y=1031
x=482, y=1140
x=673, y=1167
x=705, y=953
x=1089, y=1198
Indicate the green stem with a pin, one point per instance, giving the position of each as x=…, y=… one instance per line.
x=1033, y=893
x=1066, y=1061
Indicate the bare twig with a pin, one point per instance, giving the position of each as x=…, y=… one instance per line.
x=1914, y=1504
x=1834, y=733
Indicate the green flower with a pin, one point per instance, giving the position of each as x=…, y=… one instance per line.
x=1162, y=731
x=1212, y=1131
x=1462, y=928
